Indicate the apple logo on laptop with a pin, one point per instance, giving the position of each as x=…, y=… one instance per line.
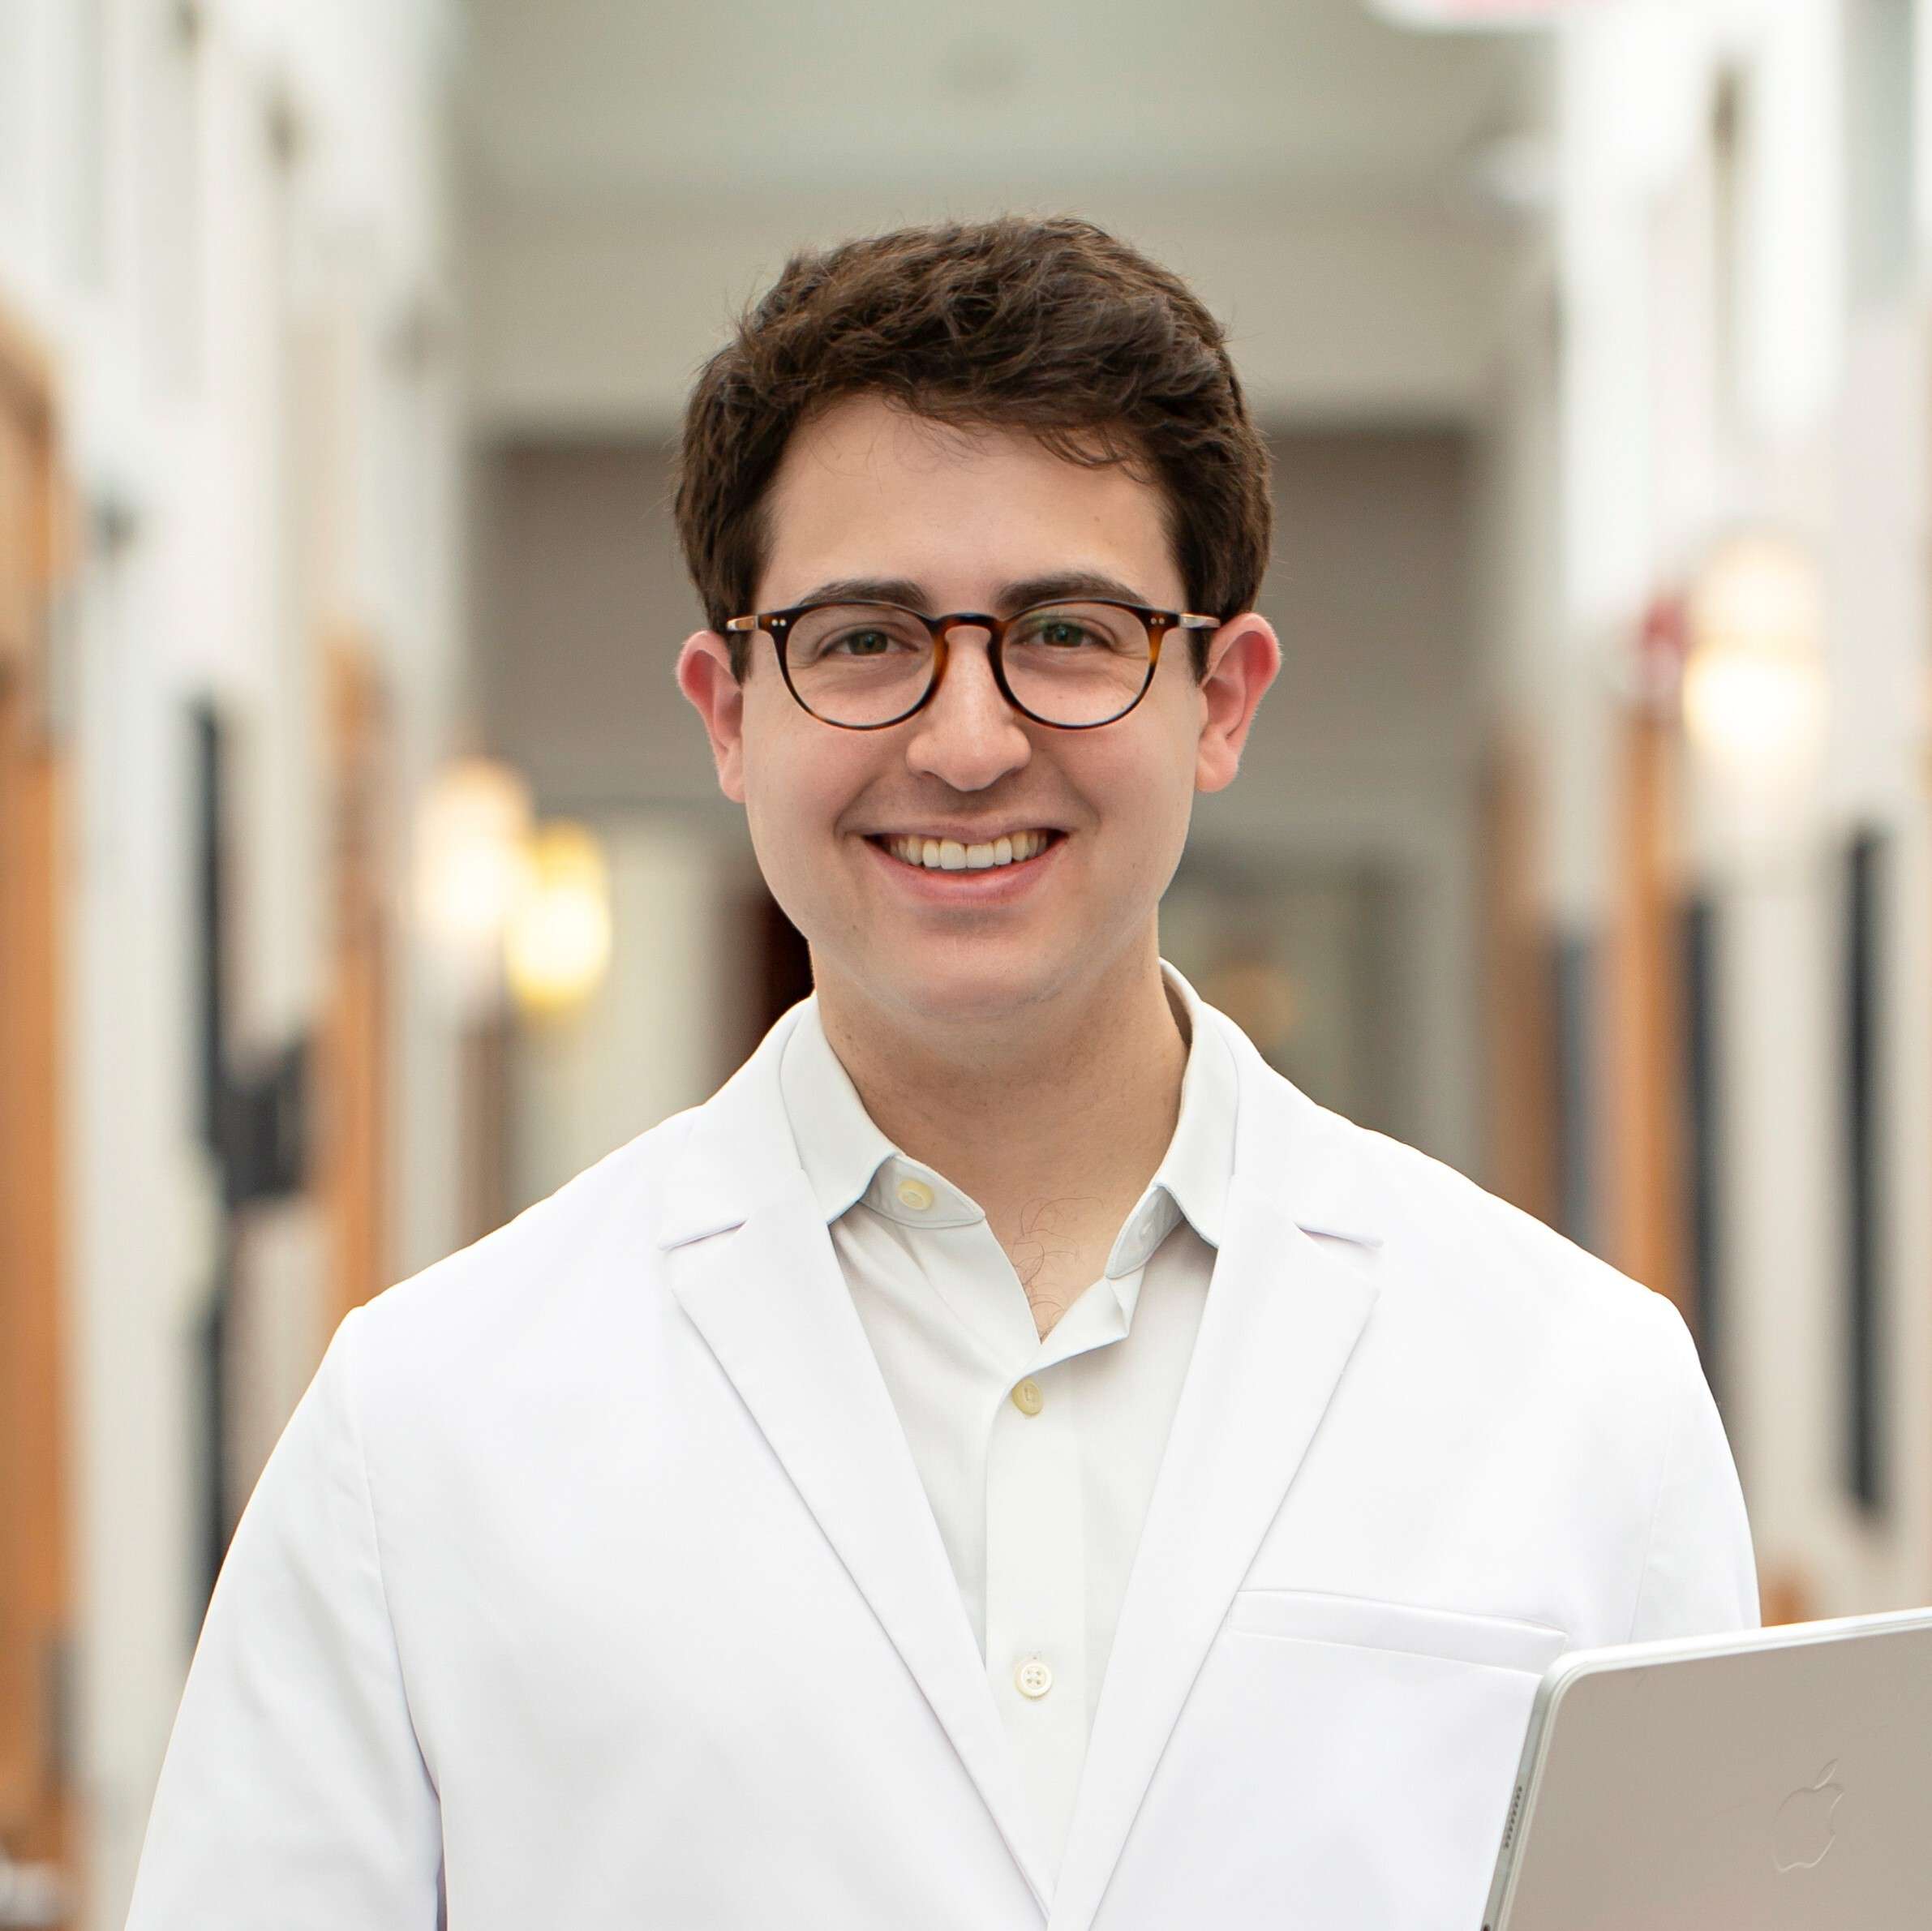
x=1803, y=1832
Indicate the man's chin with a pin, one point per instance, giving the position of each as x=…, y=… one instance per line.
x=942, y=986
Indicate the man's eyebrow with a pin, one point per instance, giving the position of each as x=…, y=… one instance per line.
x=1068, y=583
x=868, y=590
x=1019, y=595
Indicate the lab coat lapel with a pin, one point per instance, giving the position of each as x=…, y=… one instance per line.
x=749, y=1256
x=1282, y=1319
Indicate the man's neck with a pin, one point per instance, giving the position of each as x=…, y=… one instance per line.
x=1058, y=1117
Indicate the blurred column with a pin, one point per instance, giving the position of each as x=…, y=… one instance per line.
x=1629, y=81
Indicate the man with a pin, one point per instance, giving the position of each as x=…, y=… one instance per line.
x=1009, y=1457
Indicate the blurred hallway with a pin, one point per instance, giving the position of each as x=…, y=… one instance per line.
x=363, y=875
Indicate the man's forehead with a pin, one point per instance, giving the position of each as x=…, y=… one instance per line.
x=869, y=429
x=877, y=495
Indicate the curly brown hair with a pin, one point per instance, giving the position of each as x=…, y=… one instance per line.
x=1052, y=326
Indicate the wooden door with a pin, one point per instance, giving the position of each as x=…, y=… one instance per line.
x=35, y=1618
x=353, y=1101
x=1518, y=1004
x=1648, y=1144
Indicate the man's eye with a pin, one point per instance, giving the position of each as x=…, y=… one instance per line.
x=1063, y=631
x=863, y=643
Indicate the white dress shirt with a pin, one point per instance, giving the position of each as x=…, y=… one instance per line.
x=1037, y=1456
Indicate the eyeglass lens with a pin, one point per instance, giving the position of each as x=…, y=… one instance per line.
x=1068, y=663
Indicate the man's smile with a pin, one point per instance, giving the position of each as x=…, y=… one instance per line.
x=950, y=872
x=935, y=852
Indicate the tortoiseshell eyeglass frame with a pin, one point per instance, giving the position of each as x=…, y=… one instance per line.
x=777, y=625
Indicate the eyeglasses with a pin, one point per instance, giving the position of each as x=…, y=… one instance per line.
x=1073, y=665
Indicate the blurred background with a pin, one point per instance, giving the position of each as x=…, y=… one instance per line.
x=362, y=874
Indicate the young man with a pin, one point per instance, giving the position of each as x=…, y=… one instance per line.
x=1009, y=1457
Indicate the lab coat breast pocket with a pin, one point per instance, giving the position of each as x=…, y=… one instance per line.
x=1340, y=1762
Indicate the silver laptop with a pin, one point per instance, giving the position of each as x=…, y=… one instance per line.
x=1768, y=1780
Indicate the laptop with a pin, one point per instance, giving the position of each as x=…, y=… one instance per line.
x=1765, y=1780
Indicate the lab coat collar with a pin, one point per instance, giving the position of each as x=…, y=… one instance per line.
x=1282, y=1317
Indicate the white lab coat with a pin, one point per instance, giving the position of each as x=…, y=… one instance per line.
x=592, y=1585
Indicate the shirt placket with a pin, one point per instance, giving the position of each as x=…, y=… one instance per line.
x=1037, y=1654
x=1036, y=1589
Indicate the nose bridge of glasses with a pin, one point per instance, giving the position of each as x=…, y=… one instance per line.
x=974, y=627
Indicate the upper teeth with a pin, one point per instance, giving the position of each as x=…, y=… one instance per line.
x=949, y=855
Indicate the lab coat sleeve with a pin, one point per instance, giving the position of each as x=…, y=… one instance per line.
x=294, y=1796
x=1700, y=1576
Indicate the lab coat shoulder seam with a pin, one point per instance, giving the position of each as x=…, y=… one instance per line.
x=353, y=1428
x=1454, y=1217
x=1669, y=1317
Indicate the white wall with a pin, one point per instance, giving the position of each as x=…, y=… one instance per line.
x=595, y=317
x=1813, y=419
x=173, y=264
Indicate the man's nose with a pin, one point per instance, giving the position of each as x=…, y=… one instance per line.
x=968, y=735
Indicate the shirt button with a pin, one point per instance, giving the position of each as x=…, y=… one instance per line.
x=1033, y=1677
x=916, y=1195
x=1028, y=1398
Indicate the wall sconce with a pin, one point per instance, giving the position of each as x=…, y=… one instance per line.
x=557, y=946
x=1755, y=690
x=472, y=858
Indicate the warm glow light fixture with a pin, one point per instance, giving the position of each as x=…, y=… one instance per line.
x=1755, y=690
x=557, y=944
x=472, y=840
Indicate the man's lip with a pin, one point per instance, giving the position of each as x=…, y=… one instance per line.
x=975, y=885
x=967, y=838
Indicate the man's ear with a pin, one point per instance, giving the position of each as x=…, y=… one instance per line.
x=1243, y=656
x=704, y=674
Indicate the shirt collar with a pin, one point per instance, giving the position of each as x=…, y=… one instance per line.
x=847, y=1158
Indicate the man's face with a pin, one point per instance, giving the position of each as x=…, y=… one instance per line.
x=958, y=520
